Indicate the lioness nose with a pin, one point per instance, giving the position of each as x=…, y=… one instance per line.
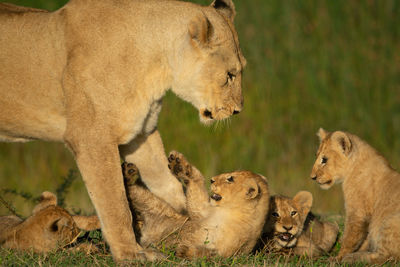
x=236, y=112
x=288, y=228
x=314, y=177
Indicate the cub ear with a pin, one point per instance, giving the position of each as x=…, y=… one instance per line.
x=46, y=199
x=322, y=134
x=225, y=7
x=303, y=200
x=252, y=189
x=200, y=30
x=343, y=141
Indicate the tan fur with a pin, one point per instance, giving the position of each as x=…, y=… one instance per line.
x=292, y=228
x=371, y=191
x=48, y=228
x=92, y=75
x=228, y=223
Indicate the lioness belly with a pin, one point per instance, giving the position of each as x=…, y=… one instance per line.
x=32, y=58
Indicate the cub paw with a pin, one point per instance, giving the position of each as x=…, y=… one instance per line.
x=130, y=173
x=179, y=166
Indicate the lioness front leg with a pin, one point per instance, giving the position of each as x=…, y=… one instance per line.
x=147, y=153
x=103, y=180
x=197, y=199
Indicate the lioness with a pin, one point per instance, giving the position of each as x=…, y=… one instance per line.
x=292, y=228
x=371, y=191
x=48, y=228
x=92, y=75
x=227, y=223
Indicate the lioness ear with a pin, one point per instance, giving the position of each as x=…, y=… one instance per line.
x=200, y=30
x=322, y=134
x=46, y=199
x=303, y=200
x=225, y=7
x=252, y=189
x=343, y=141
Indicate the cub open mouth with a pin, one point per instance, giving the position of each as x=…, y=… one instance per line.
x=325, y=183
x=285, y=236
x=216, y=197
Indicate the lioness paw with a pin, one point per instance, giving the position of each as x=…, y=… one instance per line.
x=130, y=173
x=179, y=166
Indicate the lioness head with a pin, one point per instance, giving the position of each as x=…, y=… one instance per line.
x=286, y=218
x=208, y=69
x=332, y=161
x=237, y=188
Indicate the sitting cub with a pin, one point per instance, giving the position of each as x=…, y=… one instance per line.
x=227, y=223
x=48, y=228
x=291, y=227
x=371, y=189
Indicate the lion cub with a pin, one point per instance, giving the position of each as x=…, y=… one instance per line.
x=291, y=227
x=371, y=191
x=48, y=228
x=227, y=223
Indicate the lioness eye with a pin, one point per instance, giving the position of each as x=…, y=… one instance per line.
x=275, y=214
x=230, y=179
x=293, y=213
x=212, y=181
x=324, y=160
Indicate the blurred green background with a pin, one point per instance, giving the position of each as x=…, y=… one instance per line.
x=332, y=64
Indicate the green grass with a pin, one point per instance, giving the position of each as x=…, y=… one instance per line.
x=332, y=64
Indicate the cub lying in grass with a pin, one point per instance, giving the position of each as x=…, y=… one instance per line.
x=48, y=228
x=227, y=223
x=292, y=228
x=371, y=189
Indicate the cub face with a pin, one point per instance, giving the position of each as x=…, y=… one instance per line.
x=333, y=156
x=208, y=69
x=49, y=228
x=235, y=189
x=286, y=218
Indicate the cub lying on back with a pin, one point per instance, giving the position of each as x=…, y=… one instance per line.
x=227, y=223
x=371, y=191
x=48, y=228
x=291, y=227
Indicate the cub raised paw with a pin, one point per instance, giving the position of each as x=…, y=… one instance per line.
x=130, y=172
x=179, y=166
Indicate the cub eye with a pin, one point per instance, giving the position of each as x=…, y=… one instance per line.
x=293, y=213
x=230, y=77
x=212, y=181
x=275, y=214
x=230, y=179
x=324, y=160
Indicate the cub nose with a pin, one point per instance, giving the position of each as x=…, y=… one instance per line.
x=216, y=197
x=236, y=112
x=314, y=177
x=288, y=228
